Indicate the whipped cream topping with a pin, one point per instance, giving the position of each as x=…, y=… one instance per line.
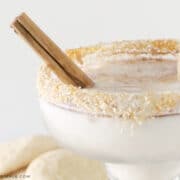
x=129, y=85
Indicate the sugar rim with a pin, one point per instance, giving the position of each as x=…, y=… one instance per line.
x=132, y=106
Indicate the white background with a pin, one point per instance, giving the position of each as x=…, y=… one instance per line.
x=71, y=24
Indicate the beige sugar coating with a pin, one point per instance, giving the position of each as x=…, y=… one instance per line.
x=128, y=47
x=129, y=106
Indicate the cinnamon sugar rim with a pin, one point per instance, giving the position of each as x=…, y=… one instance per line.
x=136, y=47
x=75, y=110
x=130, y=106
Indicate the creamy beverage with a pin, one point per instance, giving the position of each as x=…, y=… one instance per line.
x=130, y=115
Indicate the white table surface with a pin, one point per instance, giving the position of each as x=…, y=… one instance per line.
x=70, y=24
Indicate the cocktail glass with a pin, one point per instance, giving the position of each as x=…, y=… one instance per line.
x=150, y=151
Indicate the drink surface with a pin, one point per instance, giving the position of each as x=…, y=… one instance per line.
x=134, y=75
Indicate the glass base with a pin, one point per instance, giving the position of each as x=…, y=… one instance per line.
x=160, y=171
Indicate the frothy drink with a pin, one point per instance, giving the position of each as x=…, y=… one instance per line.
x=132, y=112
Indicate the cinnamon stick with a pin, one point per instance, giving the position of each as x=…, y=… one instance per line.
x=52, y=55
